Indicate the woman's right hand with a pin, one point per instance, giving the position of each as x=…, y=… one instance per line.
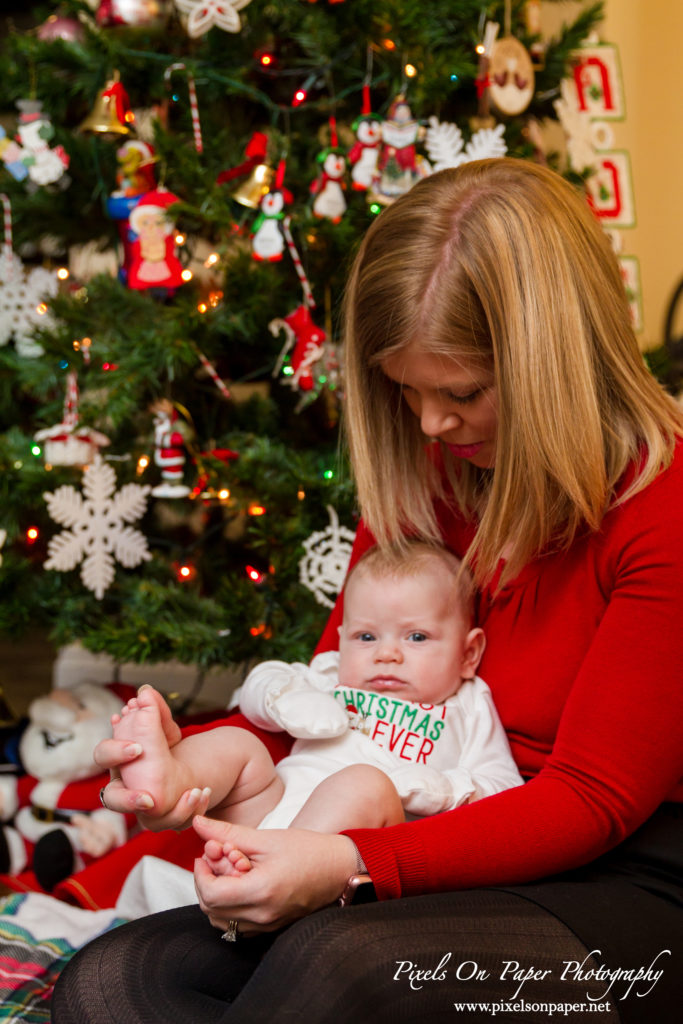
x=110, y=754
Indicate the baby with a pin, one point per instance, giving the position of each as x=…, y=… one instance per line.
x=395, y=722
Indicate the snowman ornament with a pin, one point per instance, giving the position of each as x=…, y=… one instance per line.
x=34, y=131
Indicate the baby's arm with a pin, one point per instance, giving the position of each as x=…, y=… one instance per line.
x=294, y=697
x=482, y=761
x=485, y=754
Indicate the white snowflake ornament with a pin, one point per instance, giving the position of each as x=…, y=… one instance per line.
x=487, y=143
x=95, y=532
x=323, y=567
x=204, y=14
x=22, y=302
x=446, y=146
x=578, y=129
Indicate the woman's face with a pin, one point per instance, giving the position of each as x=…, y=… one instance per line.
x=455, y=402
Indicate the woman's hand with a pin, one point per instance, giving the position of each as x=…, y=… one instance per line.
x=110, y=754
x=293, y=872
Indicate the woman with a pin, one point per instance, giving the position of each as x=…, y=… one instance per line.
x=486, y=316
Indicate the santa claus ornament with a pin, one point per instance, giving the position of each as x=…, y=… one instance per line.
x=267, y=235
x=153, y=260
x=328, y=188
x=399, y=165
x=364, y=153
x=134, y=177
x=169, y=453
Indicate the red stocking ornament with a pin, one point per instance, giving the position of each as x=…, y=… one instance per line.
x=305, y=340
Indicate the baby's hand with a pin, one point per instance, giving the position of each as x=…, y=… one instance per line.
x=225, y=860
x=310, y=715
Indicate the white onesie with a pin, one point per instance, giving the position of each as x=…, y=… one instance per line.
x=437, y=755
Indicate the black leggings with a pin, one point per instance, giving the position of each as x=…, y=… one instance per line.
x=343, y=966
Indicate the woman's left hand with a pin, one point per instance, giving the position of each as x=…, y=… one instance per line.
x=293, y=872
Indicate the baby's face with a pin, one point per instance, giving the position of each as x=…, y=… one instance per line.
x=406, y=636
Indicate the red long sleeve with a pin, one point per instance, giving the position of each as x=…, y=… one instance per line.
x=585, y=662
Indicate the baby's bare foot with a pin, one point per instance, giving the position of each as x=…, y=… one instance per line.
x=171, y=728
x=225, y=860
x=143, y=720
x=239, y=860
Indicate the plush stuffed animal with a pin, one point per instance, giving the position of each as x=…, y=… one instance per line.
x=57, y=822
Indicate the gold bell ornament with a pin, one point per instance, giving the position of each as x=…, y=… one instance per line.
x=251, y=192
x=111, y=114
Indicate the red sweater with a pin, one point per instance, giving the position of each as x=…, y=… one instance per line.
x=584, y=658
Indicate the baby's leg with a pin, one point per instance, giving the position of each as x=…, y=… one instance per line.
x=359, y=796
x=231, y=762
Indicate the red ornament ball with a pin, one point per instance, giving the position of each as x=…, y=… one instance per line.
x=59, y=27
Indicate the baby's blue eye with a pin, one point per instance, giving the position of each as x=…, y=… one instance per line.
x=418, y=637
x=366, y=637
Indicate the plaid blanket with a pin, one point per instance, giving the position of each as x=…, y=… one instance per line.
x=38, y=935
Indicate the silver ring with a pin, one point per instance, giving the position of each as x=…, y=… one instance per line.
x=102, y=798
x=230, y=934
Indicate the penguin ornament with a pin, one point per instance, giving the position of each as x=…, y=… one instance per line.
x=328, y=188
x=267, y=236
x=364, y=153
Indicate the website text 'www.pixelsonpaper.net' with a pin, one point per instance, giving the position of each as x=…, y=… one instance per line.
x=592, y=986
x=522, y=1006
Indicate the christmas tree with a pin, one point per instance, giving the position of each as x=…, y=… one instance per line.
x=184, y=186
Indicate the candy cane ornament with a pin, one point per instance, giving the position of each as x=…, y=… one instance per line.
x=213, y=374
x=7, y=218
x=194, y=105
x=298, y=265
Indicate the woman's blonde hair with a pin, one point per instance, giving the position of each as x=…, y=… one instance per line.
x=501, y=263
